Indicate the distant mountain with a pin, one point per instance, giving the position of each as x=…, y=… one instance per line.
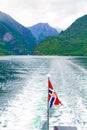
x=42, y=31
x=59, y=30
x=14, y=37
x=72, y=41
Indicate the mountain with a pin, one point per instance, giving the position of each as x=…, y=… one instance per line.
x=14, y=37
x=72, y=41
x=60, y=29
x=42, y=31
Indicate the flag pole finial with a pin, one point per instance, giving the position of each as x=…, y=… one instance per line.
x=48, y=76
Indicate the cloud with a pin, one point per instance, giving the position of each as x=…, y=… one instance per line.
x=58, y=13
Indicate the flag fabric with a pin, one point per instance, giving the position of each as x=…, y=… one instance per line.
x=52, y=96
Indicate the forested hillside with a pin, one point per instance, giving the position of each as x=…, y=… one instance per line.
x=15, y=39
x=72, y=41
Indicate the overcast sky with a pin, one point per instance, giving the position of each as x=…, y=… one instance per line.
x=58, y=13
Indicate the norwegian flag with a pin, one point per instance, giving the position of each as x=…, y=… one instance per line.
x=52, y=96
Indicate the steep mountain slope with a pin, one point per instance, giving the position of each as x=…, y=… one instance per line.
x=42, y=31
x=15, y=38
x=72, y=41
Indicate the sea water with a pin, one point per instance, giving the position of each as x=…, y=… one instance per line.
x=24, y=86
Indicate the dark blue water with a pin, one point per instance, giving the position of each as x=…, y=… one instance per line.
x=23, y=92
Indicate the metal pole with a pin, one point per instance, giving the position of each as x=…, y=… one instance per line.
x=48, y=107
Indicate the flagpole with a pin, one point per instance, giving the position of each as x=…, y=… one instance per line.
x=48, y=105
x=52, y=97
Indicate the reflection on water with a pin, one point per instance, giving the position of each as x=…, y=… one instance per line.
x=23, y=92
